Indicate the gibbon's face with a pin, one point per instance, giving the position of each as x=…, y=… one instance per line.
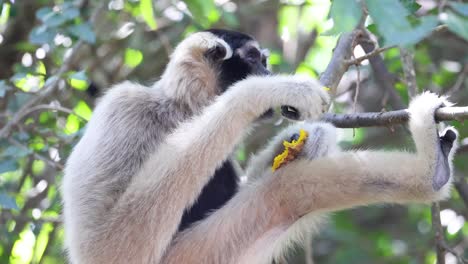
x=247, y=58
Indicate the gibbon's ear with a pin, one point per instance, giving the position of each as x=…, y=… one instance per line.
x=222, y=51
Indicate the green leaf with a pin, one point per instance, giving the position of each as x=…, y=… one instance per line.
x=411, y=5
x=83, y=110
x=15, y=152
x=133, y=57
x=457, y=24
x=5, y=13
x=42, y=242
x=71, y=12
x=459, y=8
x=81, y=75
x=8, y=165
x=79, y=80
x=23, y=248
x=73, y=125
x=275, y=58
x=19, y=99
x=83, y=31
x=42, y=13
x=203, y=11
x=38, y=167
x=146, y=9
x=288, y=17
x=54, y=19
x=389, y=17
x=42, y=35
x=393, y=25
x=7, y=202
x=417, y=33
x=345, y=14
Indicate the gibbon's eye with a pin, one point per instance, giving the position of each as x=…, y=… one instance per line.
x=253, y=55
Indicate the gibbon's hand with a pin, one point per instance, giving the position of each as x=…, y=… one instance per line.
x=295, y=113
x=307, y=98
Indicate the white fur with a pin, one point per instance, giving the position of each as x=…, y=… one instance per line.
x=147, y=153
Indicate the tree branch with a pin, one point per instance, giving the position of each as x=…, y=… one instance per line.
x=338, y=64
x=391, y=118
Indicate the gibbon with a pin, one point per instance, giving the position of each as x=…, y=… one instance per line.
x=151, y=179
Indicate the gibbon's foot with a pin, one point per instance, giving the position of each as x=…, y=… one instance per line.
x=319, y=141
x=422, y=124
x=444, y=157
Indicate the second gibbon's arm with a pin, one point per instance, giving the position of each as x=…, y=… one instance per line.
x=247, y=229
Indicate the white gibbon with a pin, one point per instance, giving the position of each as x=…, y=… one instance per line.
x=151, y=180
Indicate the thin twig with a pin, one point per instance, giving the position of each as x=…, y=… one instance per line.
x=52, y=163
x=439, y=233
x=53, y=108
x=447, y=248
x=357, y=61
x=358, y=86
x=462, y=188
x=409, y=71
x=459, y=82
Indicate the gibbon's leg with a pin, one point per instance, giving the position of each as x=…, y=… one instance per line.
x=247, y=229
x=147, y=215
x=251, y=208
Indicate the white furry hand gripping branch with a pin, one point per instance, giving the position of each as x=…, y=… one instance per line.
x=151, y=180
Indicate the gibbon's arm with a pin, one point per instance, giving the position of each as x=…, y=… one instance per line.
x=146, y=216
x=247, y=229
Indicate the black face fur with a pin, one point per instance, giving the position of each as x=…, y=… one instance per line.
x=246, y=60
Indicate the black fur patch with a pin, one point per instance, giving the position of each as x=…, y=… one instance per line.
x=214, y=195
x=235, y=68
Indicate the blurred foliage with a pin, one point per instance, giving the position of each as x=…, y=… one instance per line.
x=132, y=39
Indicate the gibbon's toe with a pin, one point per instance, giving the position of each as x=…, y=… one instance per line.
x=321, y=140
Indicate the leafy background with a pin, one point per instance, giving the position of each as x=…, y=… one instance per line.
x=65, y=54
